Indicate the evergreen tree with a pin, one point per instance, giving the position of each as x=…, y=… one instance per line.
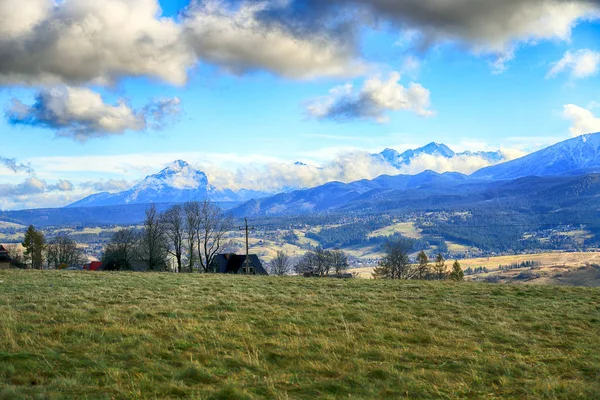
x=34, y=243
x=422, y=266
x=439, y=268
x=457, y=272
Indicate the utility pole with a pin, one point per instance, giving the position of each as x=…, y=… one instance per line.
x=246, y=228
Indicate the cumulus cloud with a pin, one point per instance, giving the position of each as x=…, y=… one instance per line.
x=62, y=186
x=583, y=120
x=374, y=99
x=110, y=185
x=486, y=27
x=11, y=164
x=579, y=64
x=465, y=164
x=236, y=39
x=347, y=166
x=277, y=176
x=31, y=185
x=82, y=114
x=78, y=42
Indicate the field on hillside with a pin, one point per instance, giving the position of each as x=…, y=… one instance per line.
x=549, y=264
x=135, y=335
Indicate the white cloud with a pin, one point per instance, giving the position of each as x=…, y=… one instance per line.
x=110, y=185
x=583, y=120
x=491, y=25
x=579, y=64
x=81, y=114
x=62, y=186
x=373, y=101
x=33, y=185
x=238, y=41
x=12, y=165
x=495, y=28
x=463, y=164
x=77, y=42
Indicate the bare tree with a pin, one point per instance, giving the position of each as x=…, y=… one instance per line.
x=153, y=248
x=121, y=249
x=339, y=261
x=173, y=222
x=191, y=210
x=211, y=228
x=281, y=264
x=62, y=251
x=315, y=262
x=396, y=264
x=15, y=252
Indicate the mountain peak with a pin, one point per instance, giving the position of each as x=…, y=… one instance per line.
x=177, y=165
x=436, y=148
x=572, y=155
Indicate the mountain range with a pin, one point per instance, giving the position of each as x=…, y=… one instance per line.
x=180, y=182
x=579, y=156
x=399, y=160
x=558, y=178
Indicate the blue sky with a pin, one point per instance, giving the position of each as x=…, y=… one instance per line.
x=125, y=87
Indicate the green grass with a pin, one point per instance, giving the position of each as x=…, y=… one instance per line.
x=128, y=335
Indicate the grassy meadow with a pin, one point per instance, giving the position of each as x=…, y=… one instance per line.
x=149, y=335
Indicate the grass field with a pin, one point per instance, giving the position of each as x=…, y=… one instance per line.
x=134, y=335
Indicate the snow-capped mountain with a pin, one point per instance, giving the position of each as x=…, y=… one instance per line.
x=570, y=157
x=399, y=160
x=178, y=182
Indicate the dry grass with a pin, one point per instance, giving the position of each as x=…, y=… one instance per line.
x=133, y=335
x=407, y=229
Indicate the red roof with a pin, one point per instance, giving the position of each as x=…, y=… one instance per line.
x=95, y=265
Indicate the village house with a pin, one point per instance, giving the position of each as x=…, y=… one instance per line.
x=5, y=260
x=236, y=264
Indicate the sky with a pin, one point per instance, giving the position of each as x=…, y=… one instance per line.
x=97, y=95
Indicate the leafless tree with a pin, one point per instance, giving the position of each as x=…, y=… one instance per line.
x=153, y=246
x=173, y=223
x=339, y=261
x=281, y=264
x=191, y=210
x=211, y=228
x=396, y=264
x=15, y=252
x=121, y=249
x=315, y=262
x=63, y=251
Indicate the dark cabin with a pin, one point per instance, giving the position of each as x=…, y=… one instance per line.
x=235, y=264
x=5, y=261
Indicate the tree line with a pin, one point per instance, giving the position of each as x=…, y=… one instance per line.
x=57, y=253
x=396, y=264
x=192, y=234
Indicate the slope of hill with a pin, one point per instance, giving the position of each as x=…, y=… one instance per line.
x=191, y=336
x=578, y=154
x=333, y=195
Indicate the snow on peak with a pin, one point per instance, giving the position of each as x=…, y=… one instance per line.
x=177, y=165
